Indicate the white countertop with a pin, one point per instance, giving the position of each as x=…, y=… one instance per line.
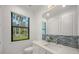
x=56, y=48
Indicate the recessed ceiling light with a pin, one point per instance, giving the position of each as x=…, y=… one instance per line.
x=48, y=14
x=63, y=5
x=51, y=7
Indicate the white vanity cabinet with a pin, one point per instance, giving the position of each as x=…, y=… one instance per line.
x=48, y=52
x=40, y=50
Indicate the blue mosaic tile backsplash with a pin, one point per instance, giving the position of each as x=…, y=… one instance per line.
x=71, y=41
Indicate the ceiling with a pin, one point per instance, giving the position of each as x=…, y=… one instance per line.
x=59, y=9
x=52, y=10
x=33, y=8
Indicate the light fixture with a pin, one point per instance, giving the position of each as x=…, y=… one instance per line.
x=63, y=5
x=51, y=7
x=47, y=14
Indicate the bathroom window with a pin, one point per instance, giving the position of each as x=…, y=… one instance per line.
x=19, y=27
x=43, y=30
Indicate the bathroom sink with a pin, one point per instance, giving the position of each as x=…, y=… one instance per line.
x=53, y=46
x=57, y=48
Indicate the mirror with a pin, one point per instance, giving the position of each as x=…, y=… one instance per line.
x=63, y=22
x=62, y=25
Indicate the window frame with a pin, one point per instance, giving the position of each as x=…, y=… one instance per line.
x=28, y=28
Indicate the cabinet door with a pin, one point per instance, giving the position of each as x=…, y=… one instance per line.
x=67, y=24
x=47, y=52
x=38, y=49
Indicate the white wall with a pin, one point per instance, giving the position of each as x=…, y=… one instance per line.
x=18, y=46
x=35, y=28
x=78, y=18
x=78, y=21
x=63, y=24
x=67, y=24
x=53, y=26
x=38, y=28
x=38, y=23
x=1, y=41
